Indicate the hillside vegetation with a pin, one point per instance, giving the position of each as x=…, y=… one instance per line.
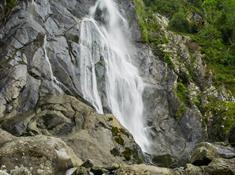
x=210, y=23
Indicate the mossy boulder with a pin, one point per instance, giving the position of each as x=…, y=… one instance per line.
x=165, y=160
x=205, y=153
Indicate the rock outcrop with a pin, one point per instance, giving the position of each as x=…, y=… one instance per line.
x=61, y=134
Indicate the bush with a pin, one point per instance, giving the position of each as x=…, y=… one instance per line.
x=141, y=18
x=167, y=8
x=183, y=93
x=221, y=117
x=179, y=22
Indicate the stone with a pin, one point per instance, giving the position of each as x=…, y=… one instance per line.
x=163, y=160
x=214, y=158
x=20, y=171
x=88, y=164
x=39, y=152
x=3, y=173
x=143, y=170
x=5, y=137
x=205, y=153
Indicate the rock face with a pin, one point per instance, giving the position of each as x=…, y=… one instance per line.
x=170, y=134
x=179, y=86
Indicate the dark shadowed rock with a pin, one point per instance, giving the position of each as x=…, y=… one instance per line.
x=231, y=136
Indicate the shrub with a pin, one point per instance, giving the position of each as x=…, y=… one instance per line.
x=179, y=22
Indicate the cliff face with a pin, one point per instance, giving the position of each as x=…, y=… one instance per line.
x=40, y=94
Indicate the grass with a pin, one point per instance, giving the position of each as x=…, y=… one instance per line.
x=224, y=75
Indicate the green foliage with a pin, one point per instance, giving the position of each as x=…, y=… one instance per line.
x=215, y=34
x=116, y=132
x=180, y=23
x=141, y=17
x=180, y=111
x=127, y=154
x=167, y=8
x=182, y=93
x=10, y=4
x=220, y=117
x=147, y=23
x=219, y=56
x=167, y=59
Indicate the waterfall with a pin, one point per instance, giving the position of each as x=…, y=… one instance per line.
x=52, y=77
x=55, y=83
x=107, y=76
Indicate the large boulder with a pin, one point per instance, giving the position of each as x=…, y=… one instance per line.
x=39, y=154
x=205, y=152
x=213, y=159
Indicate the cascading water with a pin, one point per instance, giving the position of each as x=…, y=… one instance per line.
x=103, y=40
x=52, y=77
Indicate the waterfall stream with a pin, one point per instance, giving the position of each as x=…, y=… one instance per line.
x=107, y=76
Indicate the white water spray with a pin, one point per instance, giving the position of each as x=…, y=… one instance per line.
x=102, y=39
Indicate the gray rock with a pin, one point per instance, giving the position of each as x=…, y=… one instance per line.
x=45, y=153
x=205, y=153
